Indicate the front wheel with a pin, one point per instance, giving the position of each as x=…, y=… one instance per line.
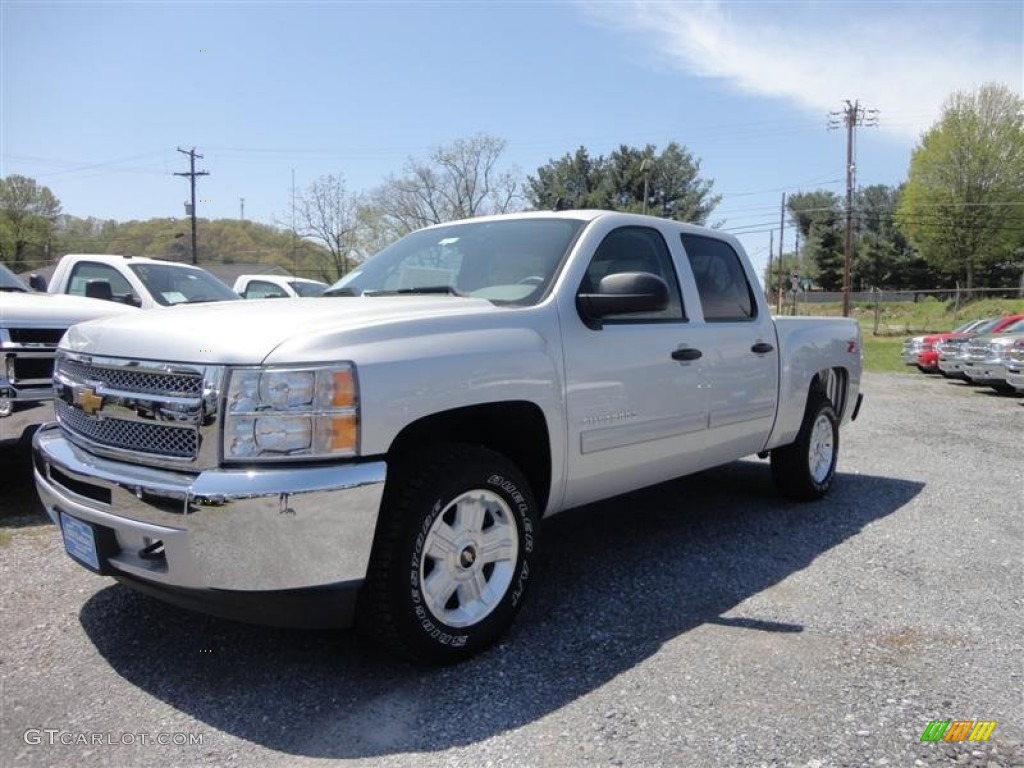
x=806, y=469
x=454, y=554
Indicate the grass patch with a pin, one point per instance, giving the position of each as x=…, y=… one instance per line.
x=882, y=354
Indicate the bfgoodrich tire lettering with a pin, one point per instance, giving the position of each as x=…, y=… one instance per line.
x=806, y=469
x=454, y=554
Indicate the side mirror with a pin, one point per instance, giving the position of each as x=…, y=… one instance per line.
x=37, y=283
x=621, y=294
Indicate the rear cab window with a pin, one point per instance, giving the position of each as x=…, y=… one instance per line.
x=725, y=293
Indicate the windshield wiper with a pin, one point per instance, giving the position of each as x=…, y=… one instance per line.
x=423, y=289
x=11, y=289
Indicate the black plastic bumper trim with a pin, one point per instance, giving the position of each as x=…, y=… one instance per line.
x=327, y=607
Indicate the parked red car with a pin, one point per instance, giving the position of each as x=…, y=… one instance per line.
x=921, y=350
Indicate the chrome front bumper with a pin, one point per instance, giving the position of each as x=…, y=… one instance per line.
x=242, y=531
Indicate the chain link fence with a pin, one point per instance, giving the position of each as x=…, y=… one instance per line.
x=889, y=313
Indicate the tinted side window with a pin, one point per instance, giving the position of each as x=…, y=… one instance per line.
x=725, y=294
x=636, y=249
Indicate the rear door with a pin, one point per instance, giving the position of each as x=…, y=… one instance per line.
x=740, y=355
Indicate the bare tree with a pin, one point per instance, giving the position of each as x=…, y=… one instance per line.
x=328, y=214
x=457, y=181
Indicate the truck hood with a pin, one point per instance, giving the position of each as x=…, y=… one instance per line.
x=49, y=310
x=246, y=332
x=1003, y=339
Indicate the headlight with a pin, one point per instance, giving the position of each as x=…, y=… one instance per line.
x=285, y=413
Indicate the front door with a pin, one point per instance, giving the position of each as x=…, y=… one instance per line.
x=636, y=406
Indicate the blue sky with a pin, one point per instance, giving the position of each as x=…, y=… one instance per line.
x=96, y=97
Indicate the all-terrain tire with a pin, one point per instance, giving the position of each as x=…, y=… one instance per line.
x=454, y=554
x=805, y=470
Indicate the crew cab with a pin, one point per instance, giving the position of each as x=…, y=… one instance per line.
x=386, y=455
x=136, y=280
x=31, y=324
x=277, y=287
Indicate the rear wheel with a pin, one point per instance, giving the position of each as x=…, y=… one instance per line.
x=806, y=469
x=454, y=554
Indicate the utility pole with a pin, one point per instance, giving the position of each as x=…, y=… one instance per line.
x=242, y=212
x=852, y=116
x=768, y=274
x=295, y=257
x=191, y=207
x=782, y=232
x=646, y=173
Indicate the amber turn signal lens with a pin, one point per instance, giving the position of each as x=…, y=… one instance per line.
x=343, y=390
x=343, y=433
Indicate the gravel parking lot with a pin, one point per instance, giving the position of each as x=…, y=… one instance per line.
x=703, y=622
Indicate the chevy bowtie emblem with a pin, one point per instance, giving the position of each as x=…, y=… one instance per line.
x=88, y=401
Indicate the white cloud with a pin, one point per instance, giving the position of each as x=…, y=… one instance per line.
x=904, y=59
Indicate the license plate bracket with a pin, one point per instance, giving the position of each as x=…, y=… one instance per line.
x=87, y=544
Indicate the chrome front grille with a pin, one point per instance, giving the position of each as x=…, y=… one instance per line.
x=159, y=414
x=156, y=439
x=977, y=352
x=131, y=379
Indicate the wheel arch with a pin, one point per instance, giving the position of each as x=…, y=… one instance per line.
x=834, y=383
x=516, y=429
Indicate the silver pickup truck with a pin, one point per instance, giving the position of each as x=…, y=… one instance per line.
x=385, y=454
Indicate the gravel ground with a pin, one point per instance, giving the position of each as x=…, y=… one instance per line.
x=703, y=622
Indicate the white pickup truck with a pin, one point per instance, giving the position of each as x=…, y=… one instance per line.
x=136, y=280
x=31, y=325
x=277, y=287
x=386, y=455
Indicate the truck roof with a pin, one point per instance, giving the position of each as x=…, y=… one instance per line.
x=106, y=258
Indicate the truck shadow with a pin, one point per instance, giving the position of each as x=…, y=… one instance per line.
x=620, y=579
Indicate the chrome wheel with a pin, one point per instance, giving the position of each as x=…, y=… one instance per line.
x=822, y=449
x=469, y=558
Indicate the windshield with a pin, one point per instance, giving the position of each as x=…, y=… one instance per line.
x=172, y=284
x=11, y=282
x=511, y=261
x=308, y=289
x=1014, y=327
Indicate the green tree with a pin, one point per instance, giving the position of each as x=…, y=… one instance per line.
x=883, y=257
x=962, y=207
x=28, y=213
x=630, y=179
x=577, y=180
x=817, y=215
